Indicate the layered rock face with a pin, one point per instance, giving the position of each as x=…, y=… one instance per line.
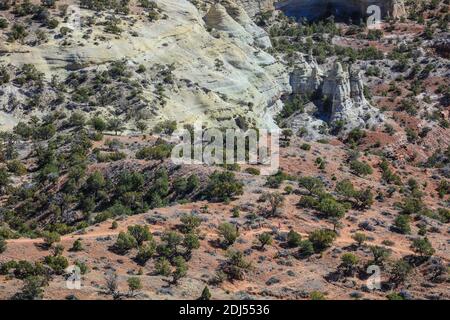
x=254, y=7
x=342, y=101
x=341, y=9
x=220, y=69
x=229, y=17
x=307, y=76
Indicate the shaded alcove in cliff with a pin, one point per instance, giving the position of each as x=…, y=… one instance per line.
x=314, y=10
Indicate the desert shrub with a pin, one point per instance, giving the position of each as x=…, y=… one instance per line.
x=275, y=201
x=77, y=246
x=361, y=168
x=229, y=232
x=380, y=254
x=57, y=263
x=163, y=267
x=412, y=205
x=355, y=136
x=236, y=266
x=3, y=23
x=253, y=171
x=16, y=167
x=58, y=249
x=444, y=188
x=443, y=215
x=191, y=242
x=206, y=294
x=134, y=284
x=99, y=124
x=170, y=246
x=18, y=32
x=316, y=295
x=222, y=186
x=190, y=223
x=305, y=147
x=306, y=249
x=423, y=247
x=32, y=289
x=83, y=267
x=359, y=238
x=329, y=207
x=125, y=242
x=322, y=239
x=50, y=238
x=181, y=269
x=313, y=185
x=193, y=182
x=264, y=239
x=402, y=224
x=166, y=127
x=400, y=271
x=140, y=233
x=275, y=181
x=146, y=252
x=308, y=202
x=395, y=296
x=160, y=151
x=348, y=263
x=293, y=239
x=388, y=175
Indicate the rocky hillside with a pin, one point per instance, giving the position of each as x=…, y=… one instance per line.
x=90, y=102
x=208, y=63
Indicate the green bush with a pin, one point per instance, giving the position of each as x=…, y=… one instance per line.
x=236, y=266
x=190, y=223
x=331, y=208
x=166, y=127
x=293, y=239
x=125, y=242
x=306, y=249
x=140, y=233
x=77, y=246
x=181, y=269
x=359, y=238
x=423, y=247
x=163, y=267
x=170, y=246
x=134, y=284
x=50, y=238
x=322, y=239
x=313, y=185
x=349, y=260
x=222, y=186
x=400, y=271
x=380, y=254
x=401, y=224
x=32, y=289
x=264, y=239
x=253, y=171
x=146, y=252
x=57, y=263
x=361, y=168
x=229, y=232
x=16, y=167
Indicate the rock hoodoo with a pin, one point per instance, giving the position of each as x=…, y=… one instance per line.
x=338, y=97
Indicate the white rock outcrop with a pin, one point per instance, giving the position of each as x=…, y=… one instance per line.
x=221, y=72
x=344, y=94
x=339, y=95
